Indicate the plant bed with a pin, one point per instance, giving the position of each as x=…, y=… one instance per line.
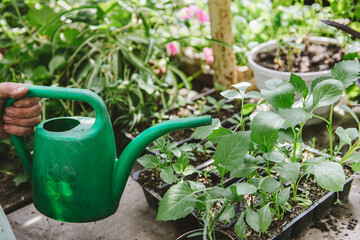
x=280, y=177
x=154, y=187
x=293, y=225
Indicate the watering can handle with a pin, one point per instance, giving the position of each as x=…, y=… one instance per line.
x=88, y=96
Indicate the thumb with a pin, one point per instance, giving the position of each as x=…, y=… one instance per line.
x=13, y=90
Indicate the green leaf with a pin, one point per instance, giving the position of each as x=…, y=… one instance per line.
x=178, y=202
x=248, y=108
x=242, y=86
x=327, y=92
x=40, y=17
x=243, y=170
x=20, y=178
x=269, y=184
x=243, y=188
x=149, y=161
x=240, y=226
x=189, y=170
x=232, y=149
x=167, y=174
x=196, y=186
x=276, y=157
x=340, y=131
x=215, y=192
x=231, y=94
x=273, y=83
x=56, y=63
x=218, y=135
x=355, y=166
x=283, y=196
x=265, y=217
x=354, y=157
x=347, y=72
x=330, y=175
x=252, y=219
x=280, y=97
x=228, y=213
x=294, y=116
x=252, y=94
x=319, y=80
x=203, y=132
x=264, y=129
x=352, y=113
x=299, y=84
x=288, y=170
x=286, y=136
x=40, y=73
x=309, y=164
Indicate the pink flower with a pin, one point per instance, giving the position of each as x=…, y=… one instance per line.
x=173, y=49
x=202, y=16
x=195, y=11
x=187, y=13
x=208, y=54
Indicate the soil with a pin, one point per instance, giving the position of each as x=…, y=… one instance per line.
x=13, y=197
x=330, y=223
x=308, y=58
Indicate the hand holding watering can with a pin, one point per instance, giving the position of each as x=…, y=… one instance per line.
x=23, y=116
x=74, y=171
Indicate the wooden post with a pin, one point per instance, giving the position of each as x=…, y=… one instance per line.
x=224, y=57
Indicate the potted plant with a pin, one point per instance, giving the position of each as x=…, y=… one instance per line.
x=278, y=59
x=277, y=174
x=309, y=58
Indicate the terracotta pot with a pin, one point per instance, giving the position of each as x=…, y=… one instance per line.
x=197, y=235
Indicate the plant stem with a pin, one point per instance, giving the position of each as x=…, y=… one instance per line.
x=350, y=151
x=331, y=134
x=241, y=118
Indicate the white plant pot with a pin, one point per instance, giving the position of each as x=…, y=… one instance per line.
x=262, y=74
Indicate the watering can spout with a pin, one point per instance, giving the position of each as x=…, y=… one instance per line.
x=128, y=157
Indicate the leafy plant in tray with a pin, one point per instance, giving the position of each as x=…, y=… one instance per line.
x=163, y=161
x=270, y=160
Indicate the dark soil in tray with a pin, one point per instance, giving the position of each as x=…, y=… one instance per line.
x=151, y=179
x=309, y=58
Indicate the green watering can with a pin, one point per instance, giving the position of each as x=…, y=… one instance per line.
x=74, y=170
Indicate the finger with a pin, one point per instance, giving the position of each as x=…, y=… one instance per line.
x=13, y=90
x=24, y=122
x=24, y=112
x=26, y=102
x=18, y=130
